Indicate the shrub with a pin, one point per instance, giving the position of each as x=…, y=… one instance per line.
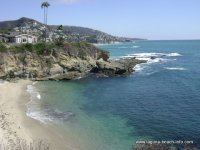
x=22, y=47
x=16, y=48
x=81, y=44
x=92, y=39
x=40, y=47
x=5, y=31
x=66, y=45
x=29, y=47
x=59, y=42
x=3, y=47
x=50, y=45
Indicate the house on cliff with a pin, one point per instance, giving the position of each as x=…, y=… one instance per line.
x=18, y=38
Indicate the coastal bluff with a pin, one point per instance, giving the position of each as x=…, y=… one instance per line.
x=66, y=63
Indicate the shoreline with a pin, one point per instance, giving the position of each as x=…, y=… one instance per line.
x=17, y=129
x=12, y=129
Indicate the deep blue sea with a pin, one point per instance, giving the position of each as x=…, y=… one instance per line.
x=160, y=101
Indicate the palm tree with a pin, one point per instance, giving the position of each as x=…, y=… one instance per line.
x=45, y=6
x=60, y=28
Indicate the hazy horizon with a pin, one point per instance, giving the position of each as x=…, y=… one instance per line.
x=155, y=20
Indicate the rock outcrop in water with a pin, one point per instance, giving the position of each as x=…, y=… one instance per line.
x=115, y=67
x=63, y=64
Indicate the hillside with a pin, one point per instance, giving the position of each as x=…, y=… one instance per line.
x=69, y=33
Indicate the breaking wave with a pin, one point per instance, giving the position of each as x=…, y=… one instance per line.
x=122, y=47
x=175, y=68
x=104, y=44
x=135, y=46
x=146, y=55
x=152, y=58
x=40, y=111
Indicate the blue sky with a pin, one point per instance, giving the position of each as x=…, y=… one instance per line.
x=151, y=19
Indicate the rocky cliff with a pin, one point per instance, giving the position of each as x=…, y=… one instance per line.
x=62, y=64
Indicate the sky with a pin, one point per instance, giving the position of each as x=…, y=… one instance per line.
x=149, y=19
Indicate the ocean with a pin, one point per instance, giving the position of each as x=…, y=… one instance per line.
x=159, y=101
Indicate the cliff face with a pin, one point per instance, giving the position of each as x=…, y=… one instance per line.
x=62, y=64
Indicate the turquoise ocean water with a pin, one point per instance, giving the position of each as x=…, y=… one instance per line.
x=160, y=101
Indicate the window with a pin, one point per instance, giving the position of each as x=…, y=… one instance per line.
x=24, y=40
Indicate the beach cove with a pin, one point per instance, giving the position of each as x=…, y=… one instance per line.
x=159, y=101
x=20, y=131
x=76, y=61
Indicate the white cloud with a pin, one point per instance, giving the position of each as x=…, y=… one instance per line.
x=64, y=1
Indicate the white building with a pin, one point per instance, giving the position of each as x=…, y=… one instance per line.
x=21, y=38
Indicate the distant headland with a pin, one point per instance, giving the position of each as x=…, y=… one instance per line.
x=37, y=31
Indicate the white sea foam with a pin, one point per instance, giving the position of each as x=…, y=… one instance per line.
x=146, y=55
x=43, y=113
x=35, y=82
x=78, y=78
x=104, y=44
x=38, y=96
x=173, y=54
x=135, y=46
x=144, y=69
x=151, y=58
x=127, y=56
x=156, y=54
x=33, y=106
x=154, y=60
x=139, y=67
x=175, y=68
x=122, y=47
x=37, y=115
x=33, y=92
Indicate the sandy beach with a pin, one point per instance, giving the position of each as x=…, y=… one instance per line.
x=19, y=131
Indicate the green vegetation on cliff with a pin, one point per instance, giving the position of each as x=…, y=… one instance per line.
x=3, y=47
x=41, y=47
